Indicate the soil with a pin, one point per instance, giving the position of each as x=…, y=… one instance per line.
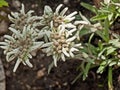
x=61, y=77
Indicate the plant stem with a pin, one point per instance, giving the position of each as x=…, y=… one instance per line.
x=110, y=83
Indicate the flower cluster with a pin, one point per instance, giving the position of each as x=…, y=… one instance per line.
x=21, y=19
x=61, y=46
x=57, y=31
x=62, y=39
x=20, y=45
x=23, y=41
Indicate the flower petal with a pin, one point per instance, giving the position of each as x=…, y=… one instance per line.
x=28, y=63
x=65, y=52
x=16, y=65
x=58, y=9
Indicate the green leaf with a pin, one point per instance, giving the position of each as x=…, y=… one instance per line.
x=3, y=3
x=100, y=33
x=112, y=8
x=112, y=63
x=84, y=32
x=113, y=41
x=106, y=29
x=89, y=7
x=79, y=75
x=99, y=17
x=85, y=55
x=101, y=69
x=101, y=52
x=92, y=48
x=86, y=70
x=110, y=50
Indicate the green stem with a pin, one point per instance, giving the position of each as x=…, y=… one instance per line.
x=110, y=83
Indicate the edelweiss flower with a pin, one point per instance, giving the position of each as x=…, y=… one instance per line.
x=61, y=45
x=57, y=20
x=59, y=17
x=54, y=19
x=22, y=19
x=20, y=45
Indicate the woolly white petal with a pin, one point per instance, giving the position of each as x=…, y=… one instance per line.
x=55, y=60
x=71, y=39
x=69, y=19
x=71, y=54
x=81, y=22
x=63, y=11
x=9, y=37
x=16, y=65
x=30, y=56
x=47, y=44
x=71, y=15
x=61, y=29
x=15, y=14
x=77, y=45
x=63, y=57
x=58, y=9
x=65, y=52
x=15, y=32
x=71, y=31
x=70, y=25
x=12, y=53
x=4, y=43
x=4, y=47
x=10, y=18
x=22, y=9
x=28, y=63
x=51, y=24
x=36, y=46
x=73, y=49
x=30, y=12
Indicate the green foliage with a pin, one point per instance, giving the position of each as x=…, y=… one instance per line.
x=3, y=3
x=89, y=7
x=106, y=52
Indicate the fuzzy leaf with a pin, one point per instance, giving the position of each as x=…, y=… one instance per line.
x=48, y=10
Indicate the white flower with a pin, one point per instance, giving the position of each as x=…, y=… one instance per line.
x=21, y=19
x=61, y=14
x=20, y=45
x=61, y=45
x=57, y=18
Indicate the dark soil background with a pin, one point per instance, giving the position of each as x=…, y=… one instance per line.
x=61, y=77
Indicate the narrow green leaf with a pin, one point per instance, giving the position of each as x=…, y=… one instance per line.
x=86, y=70
x=100, y=33
x=99, y=17
x=89, y=7
x=110, y=50
x=99, y=55
x=79, y=75
x=84, y=32
x=100, y=69
x=106, y=30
